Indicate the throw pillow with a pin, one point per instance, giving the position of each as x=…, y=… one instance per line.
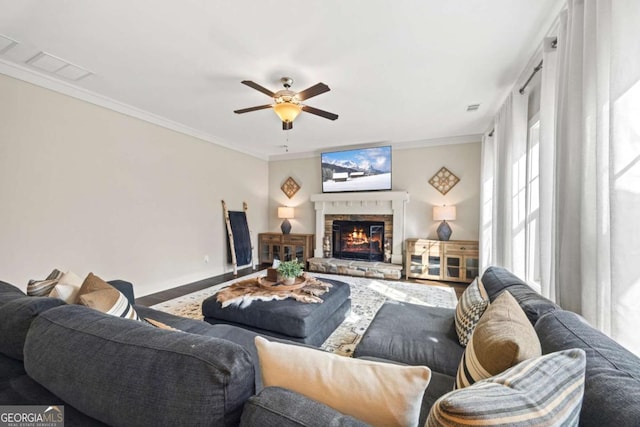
x=374, y=392
x=547, y=391
x=99, y=295
x=503, y=338
x=472, y=304
x=67, y=288
x=42, y=288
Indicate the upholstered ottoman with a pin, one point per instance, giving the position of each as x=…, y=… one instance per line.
x=309, y=323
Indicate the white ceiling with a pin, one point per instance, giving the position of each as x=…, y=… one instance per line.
x=400, y=72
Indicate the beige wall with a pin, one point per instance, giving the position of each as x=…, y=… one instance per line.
x=88, y=189
x=412, y=169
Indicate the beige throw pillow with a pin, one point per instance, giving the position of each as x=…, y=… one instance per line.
x=99, y=295
x=374, y=392
x=67, y=288
x=502, y=338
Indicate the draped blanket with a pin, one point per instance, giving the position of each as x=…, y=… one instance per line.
x=243, y=293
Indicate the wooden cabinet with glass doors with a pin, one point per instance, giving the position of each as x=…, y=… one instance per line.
x=453, y=260
x=284, y=247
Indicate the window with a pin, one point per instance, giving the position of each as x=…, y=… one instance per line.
x=532, y=232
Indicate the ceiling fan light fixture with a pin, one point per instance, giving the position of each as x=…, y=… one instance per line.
x=287, y=111
x=287, y=103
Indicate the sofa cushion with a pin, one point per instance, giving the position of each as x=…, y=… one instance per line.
x=99, y=295
x=544, y=391
x=472, y=304
x=387, y=394
x=498, y=279
x=415, y=335
x=234, y=334
x=130, y=373
x=17, y=311
x=8, y=290
x=17, y=388
x=279, y=407
x=503, y=338
x=612, y=378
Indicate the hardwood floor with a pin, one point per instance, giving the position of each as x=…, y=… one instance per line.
x=158, y=297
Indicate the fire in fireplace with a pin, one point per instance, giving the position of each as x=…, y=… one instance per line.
x=360, y=240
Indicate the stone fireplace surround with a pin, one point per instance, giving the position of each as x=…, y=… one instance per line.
x=366, y=203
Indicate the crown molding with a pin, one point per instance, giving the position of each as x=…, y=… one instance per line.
x=405, y=145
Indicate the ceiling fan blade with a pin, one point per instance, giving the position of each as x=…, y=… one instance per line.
x=312, y=91
x=247, y=110
x=257, y=87
x=321, y=113
x=287, y=125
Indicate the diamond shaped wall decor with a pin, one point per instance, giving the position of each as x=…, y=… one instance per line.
x=290, y=187
x=444, y=180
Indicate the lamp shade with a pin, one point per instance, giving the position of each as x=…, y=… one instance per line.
x=444, y=213
x=285, y=212
x=287, y=111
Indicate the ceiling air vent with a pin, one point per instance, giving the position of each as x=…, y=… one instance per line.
x=6, y=43
x=473, y=107
x=59, y=67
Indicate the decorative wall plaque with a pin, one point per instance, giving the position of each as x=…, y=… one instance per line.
x=444, y=180
x=290, y=187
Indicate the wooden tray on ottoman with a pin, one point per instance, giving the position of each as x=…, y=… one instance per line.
x=279, y=286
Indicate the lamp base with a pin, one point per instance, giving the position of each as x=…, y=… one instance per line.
x=285, y=226
x=444, y=231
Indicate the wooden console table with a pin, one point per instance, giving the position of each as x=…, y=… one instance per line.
x=452, y=260
x=285, y=247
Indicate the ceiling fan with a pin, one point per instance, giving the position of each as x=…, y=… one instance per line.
x=287, y=103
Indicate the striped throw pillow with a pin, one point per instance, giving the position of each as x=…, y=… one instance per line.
x=502, y=338
x=99, y=295
x=42, y=288
x=544, y=391
x=472, y=304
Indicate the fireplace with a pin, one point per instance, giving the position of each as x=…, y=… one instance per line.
x=375, y=203
x=360, y=240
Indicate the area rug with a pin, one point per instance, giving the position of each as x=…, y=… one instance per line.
x=367, y=296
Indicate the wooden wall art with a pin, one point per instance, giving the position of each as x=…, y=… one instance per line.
x=290, y=187
x=444, y=180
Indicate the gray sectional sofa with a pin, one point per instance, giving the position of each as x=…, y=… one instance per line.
x=418, y=335
x=111, y=371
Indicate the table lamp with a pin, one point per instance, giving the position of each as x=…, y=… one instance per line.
x=285, y=212
x=444, y=213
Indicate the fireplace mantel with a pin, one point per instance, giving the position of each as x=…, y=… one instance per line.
x=372, y=203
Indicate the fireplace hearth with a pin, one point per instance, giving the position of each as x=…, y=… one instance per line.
x=358, y=240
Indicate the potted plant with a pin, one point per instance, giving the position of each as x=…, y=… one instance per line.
x=289, y=270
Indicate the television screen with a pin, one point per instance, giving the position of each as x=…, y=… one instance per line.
x=363, y=169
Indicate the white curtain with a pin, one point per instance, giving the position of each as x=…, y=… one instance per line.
x=589, y=170
x=597, y=166
x=503, y=188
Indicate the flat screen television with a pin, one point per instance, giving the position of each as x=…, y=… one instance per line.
x=362, y=169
